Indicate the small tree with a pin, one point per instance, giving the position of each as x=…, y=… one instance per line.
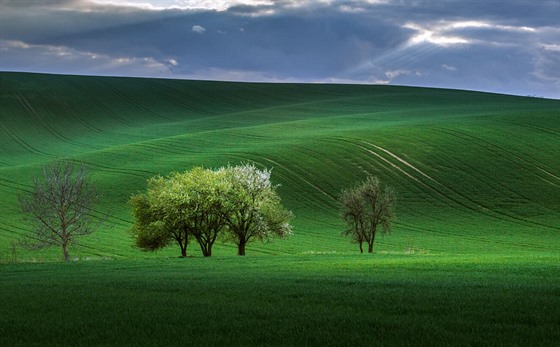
x=60, y=207
x=253, y=207
x=366, y=207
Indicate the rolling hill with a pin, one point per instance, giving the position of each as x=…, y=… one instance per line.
x=474, y=172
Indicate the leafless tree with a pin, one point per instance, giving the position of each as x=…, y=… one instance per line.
x=60, y=207
x=365, y=208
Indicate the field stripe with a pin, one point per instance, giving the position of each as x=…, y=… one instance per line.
x=447, y=197
x=488, y=145
x=301, y=178
x=137, y=105
x=15, y=186
x=483, y=209
x=45, y=125
x=494, y=149
x=404, y=162
x=29, y=148
x=102, y=105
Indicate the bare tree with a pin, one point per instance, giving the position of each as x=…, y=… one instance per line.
x=60, y=207
x=365, y=208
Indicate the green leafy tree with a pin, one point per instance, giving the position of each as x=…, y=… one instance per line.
x=203, y=204
x=158, y=221
x=239, y=202
x=365, y=208
x=60, y=207
x=179, y=207
x=253, y=207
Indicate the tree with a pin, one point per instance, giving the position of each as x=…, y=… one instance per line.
x=60, y=207
x=253, y=207
x=203, y=204
x=157, y=224
x=178, y=207
x=366, y=207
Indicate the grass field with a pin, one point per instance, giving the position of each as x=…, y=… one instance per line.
x=475, y=173
x=298, y=300
x=473, y=259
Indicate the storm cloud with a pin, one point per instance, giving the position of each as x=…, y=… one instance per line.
x=499, y=46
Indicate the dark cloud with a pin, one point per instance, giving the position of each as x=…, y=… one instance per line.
x=510, y=47
x=29, y=4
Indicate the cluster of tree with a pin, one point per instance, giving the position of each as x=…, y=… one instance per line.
x=237, y=203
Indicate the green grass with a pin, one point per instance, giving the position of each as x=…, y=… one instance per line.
x=284, y=300
x=473, y=259
x=475, y=173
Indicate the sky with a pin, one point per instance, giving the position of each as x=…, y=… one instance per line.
x=503, y=46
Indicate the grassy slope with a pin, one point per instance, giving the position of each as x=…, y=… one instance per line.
x=477, y=176
x=476, y=173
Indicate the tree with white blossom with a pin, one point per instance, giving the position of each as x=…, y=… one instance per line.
x=253, y=207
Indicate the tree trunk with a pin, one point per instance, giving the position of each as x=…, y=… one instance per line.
x=184, y=246
x=361, y=247
x=370, y=243
x=65, y=251
x=241, y=247
x=205, y=248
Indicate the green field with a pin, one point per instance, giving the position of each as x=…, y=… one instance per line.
x=473, y=257
x=284, y=300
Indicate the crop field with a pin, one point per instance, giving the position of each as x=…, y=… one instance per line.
x=284, y=300
x=473, y=257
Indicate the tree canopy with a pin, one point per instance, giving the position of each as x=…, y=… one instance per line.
x=238, y=203
x=254, y=210
x=157, y=220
